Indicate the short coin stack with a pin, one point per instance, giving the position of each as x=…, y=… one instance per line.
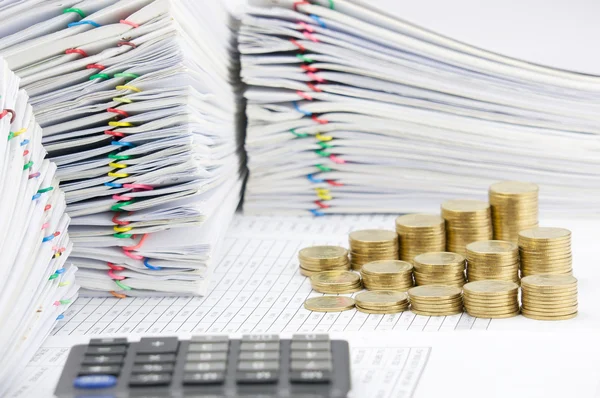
x=336, y=282
x=381, y=302
x=439, y=268
x=545, y=251
x=323, y=258
x=549, y=297
x=492, y=259
x=371, y=245
x=329, y=304
x=420, y=233
x=491, y=299
x=435, y=300
x=466, y=221
x=514, y=208
x=387, y=275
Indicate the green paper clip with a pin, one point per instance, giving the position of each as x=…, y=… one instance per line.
x=125, y=74
x=118, y=206
x=331, y=4
x=44, y=190
x=27, y=165
x=122, y=236
x=53, y=276
x=122, y=286
x=324, y=144
x=323, y=153
x=99, y=76
x=119, y=157
x=64, y=302
x=305, y=58
x=75, y=10
x=322, y=168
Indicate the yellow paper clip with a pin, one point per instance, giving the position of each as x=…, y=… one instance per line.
x=323, y=194
x=61, y=284
x=122, y=229
x=123, y=100
x=19, y=132
x=128, y=87
x=120, y=124
x=323, y=137
x=118, y=175
x=117, y=165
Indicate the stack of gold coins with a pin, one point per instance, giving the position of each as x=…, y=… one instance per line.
x=435, y=300
x=549, y=297
x=420, y=233
x=491, y=299
x=492, y=259
x=336, y=282
x=514, y=208
x=323, y=258
x=439, y=268
x=381, y=302
x=329, y=304
x=545, y=251
x=466, y=221
x=387, y=275
x=371, y=245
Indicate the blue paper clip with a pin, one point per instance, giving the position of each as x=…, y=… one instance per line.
x=24, y=142
x=124, y=143
x=60, y=271
x=150, y=266
x=319, y=21
x=36, y=196
x=307, y=113
x=317, y=212
x=61, y=316
x=113, y=185
x=48, y=238
x=94, y=24
x=311, y=178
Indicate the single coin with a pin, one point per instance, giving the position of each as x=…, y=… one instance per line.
x=335, y=277
x=514, y=188
x=420, y=221
x=329, y=304
x=323, y=252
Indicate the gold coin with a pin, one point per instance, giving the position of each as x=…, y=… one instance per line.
x=335, y=277
x=437, y=313
x=550, y=312
x=514, y=189
x=495, y=247
x=420, y=221
x=547, y=234
x=491, y=287
x=373, y=236
x=549, y=281
x=382, y=268
x=389, y=310
x=380, y=298
x=439, y=259
x=329, y=304
x=495, y=316
x=550, y=318
x=322, y=252
x=434, y=292
x=459, y=206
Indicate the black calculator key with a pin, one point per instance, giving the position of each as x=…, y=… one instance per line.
x=310, y=376
x=153, y=368
x=258, y=365
x=210, y=339
x=205, y=367
x=204, y=378
x=95, y=382
x=310, y=365
x=208, y=347
x=260, y=337
x=310, y=337
x=155, y=358
x=150, y=379
x=206, y=356
x=311, y=345
x=158, y=345
x=108, y=341
x=259, y=355
x=100, y=370
x=102, y=359
x=107, y=350
x=259, y=346
x=311, y=355
x=262, y=377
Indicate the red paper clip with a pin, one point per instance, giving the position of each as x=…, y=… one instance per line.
x=306, y=26
x=315, y=78
x=126, y=43
x=320, y=121
x=322, y=205
x=112, y=275
x=115, y=267
x=304, y=95
x=309, y=68
x=334, y=183
x=297, y=3
x=313, y=87
x=122, y=197
x=6, y=112
x=138, y=245
x=48, y=207
x=115, y=220
x=118, y=111
x=76, y=51
x=337, y=160
x=300, y=46
x=310, y=36
x=95, y=66
x=126, y=22
x=114, y=133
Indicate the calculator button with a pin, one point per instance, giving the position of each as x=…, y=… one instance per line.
x=155, y=358
x=310, y=376
x=311, y=355
x=310, y=337
x=102, y=359
x=108, y=341
x=150, y=379
x=260, y=337
x=311, y=345
x=204, y=378
x=96, y=381
x=210, y=339
x=258, y=355
x=208, y=347
x=108, y=349
x=206, y=356
x=261, y=377
x=310, y=365
x=158, y=345
x=153, y=368
x=100, y=370
x=205, y=367
x=269, y=346
x=258, y=365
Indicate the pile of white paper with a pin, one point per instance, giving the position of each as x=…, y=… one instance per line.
x=36, y=284
x=351, y=109
x=139, y=107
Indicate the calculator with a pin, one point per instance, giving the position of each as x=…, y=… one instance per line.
x=207, y=366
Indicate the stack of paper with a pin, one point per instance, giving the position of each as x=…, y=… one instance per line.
x=352, y=109
x=139, y=107
x=36, y=284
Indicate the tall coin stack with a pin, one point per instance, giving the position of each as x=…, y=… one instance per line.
x=439, y=268
x=420, y=233
x=514, y=208
x=436, y=300
x=492, y=259
x=545, y=251
x=466, y=221
x=491, y=299
x=371, y=245
x=549, y=297
x=381, y=302
x=336, y=282
x=323, y=258
x=387, y=275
